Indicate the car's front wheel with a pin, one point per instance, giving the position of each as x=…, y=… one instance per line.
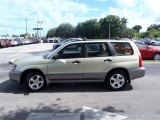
x=35, y=81
x=156, y=56
x=116, y=80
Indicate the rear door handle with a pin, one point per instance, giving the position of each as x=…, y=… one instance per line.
x=76, y=62
x=109, y=60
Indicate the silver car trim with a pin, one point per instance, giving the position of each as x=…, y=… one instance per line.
x=77, y=76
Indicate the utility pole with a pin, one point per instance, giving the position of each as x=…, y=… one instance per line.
x=40, y=22
x=37, y=29
x=40, y=28
x=26, y=36
x=109, y=30
x=26, y=26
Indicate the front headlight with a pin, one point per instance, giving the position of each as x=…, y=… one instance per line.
x=13, y=67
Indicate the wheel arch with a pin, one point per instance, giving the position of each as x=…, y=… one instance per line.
x=24, y=73
x=119, y=69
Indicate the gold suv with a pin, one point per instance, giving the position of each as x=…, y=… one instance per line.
x=113, y=62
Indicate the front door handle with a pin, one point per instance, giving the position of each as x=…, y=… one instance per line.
x=109, y=60
x=76, y=62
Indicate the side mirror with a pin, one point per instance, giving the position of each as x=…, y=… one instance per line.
x=44, y=56
x=56, y=57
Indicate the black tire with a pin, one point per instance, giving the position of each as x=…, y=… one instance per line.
x=115, y=83
x=156, y=56
x=38, y=78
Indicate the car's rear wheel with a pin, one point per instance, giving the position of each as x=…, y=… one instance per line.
x=156, y=56
x=116, y=80
x=35, y=81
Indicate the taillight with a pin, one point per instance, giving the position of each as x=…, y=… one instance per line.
x=140, y=61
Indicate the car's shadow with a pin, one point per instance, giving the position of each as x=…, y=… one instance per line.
x=12, y=87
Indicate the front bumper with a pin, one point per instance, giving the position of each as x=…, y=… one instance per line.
x=15, y=76
x=136, y=73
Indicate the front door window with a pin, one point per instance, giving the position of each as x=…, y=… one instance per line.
x=71, y=51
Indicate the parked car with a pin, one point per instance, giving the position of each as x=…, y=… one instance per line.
x=56, y=45
x=50, y=41
x=155, y=42
x=19, y=41
x=3, y=43
x=81, y=61
x=26, y=41
x=1, y=46
x=148, y=52
x=23, y=41
x=35, y=41
x=8, y=42
x=13, y=42
x=146, y=41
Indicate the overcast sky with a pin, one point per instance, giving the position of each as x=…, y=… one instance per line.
x=53, y=12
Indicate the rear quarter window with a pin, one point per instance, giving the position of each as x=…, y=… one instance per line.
x=122, y=48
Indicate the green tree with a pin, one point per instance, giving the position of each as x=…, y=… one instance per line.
x=155, y=33
x=145, y=35
x=116, y=25
x=79, y=32
x=137, y=28
x=154, y=26
x=150, y=34
x=51, y=33
x=88, y=29
x=22, y=35
x=123, y=28
x=65, y=30
x=14, y=35
x=131, y=33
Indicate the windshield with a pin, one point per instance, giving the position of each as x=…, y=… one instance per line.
x=49, y=54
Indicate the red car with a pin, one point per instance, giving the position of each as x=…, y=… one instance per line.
x=148, y=52
x=3, y=43
x=8, y=43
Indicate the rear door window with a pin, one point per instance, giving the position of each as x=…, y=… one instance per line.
x=97, y=50
x=122, y=48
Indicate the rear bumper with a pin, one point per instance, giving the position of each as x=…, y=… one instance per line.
x=136, y=73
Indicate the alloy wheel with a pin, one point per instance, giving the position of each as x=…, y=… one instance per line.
x=36, y=82
x=117, y=81
x=157, y=56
